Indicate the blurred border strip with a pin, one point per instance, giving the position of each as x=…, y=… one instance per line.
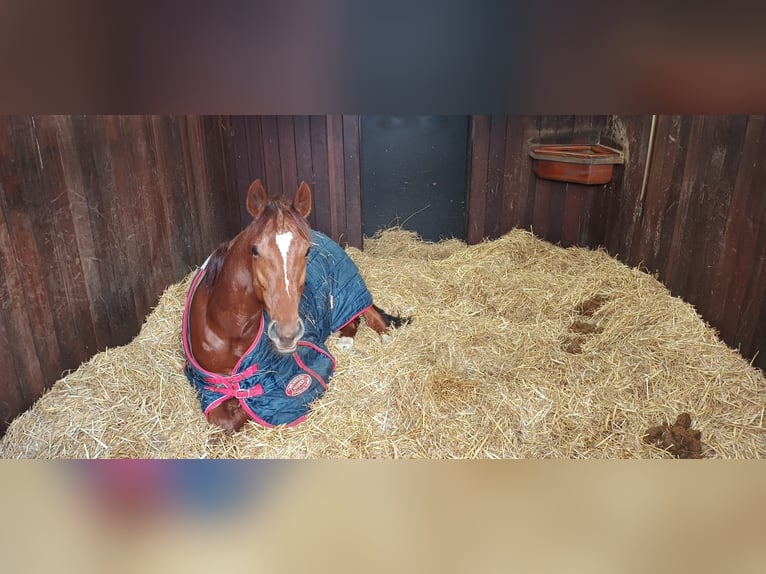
x=364, y=56
x=376, y=516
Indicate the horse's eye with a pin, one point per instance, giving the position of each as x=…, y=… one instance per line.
x=255, y=251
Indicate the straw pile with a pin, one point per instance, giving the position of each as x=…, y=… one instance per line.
x=518, y=349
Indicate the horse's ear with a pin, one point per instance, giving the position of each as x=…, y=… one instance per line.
x=302, y=200
x=257, y=198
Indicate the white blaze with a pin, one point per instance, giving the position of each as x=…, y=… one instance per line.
x=283, y=242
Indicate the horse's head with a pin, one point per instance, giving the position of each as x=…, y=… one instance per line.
x=279, y=239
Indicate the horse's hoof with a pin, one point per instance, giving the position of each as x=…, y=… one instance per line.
x=386, y=338
x=345, y=344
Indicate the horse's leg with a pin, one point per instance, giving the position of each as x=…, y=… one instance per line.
x=229, y=414
x=377, y=319
x=347, y=334
x=350, y=329
x=380, y=321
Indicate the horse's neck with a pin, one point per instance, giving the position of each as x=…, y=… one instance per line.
x=233, y=302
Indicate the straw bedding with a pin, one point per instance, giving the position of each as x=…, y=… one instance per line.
x=518, y=349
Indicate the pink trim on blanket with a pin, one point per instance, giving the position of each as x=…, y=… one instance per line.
x=355, y=316
x=209, y=375
x=303, y=366
x=236, y=392
x=319, y=350
x=251, y=347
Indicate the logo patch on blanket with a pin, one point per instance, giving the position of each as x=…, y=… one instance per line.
x=297, y=385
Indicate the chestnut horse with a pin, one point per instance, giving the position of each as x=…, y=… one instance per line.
x=280, y=276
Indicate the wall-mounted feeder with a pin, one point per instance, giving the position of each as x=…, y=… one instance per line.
x=591, y=164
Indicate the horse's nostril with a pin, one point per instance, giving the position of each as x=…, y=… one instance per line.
x=286, y=336
x=272, y=331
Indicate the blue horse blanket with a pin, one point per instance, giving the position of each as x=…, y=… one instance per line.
x=276, y=389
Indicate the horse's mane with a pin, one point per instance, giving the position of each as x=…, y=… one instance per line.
x=275, y=206
x=214, y=265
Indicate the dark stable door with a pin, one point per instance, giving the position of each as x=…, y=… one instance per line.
x=414, y=174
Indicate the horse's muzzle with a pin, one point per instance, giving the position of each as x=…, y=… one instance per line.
x=284, y=336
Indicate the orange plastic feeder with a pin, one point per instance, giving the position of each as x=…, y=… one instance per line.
x=590, y=164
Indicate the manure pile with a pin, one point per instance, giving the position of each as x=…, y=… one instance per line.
x=518, y=349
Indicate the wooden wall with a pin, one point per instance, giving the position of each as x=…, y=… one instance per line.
x=700, y=223
x=504, y=192
x=321, y=150
x=98, y=215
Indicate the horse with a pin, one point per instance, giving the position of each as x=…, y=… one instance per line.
x=280, y=277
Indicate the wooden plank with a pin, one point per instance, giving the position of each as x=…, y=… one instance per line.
x=352, y=176
x=162, y=222
x=130, y=197
x=256, y=165
x=96, y=153
x=588, y=129
x=211, y=179
x=43, y=187
x=556, y=202
x=12, y=383
x=751, y=329
x=651, y=224
x=739, y=254
x=541, y=218
x=321, y=174
x=706, y=163
x=670, y=185
x=218, y=150
x=678, y=257
x=78, y=328
x=303, y=159
x=579, y=218
x=593, y=219
x=175, y=182
x=30, y=226
x=287, y=159
x=271, y=159
x=477, y=190
x=623, y=197
x=74, y=182
x=541, y=215
x=532, y=124
x=574, y=209
x=28, y=364
x=593, y=227
x=211, y=200
x=206, y=152
x=242, y=158
x=208, y=213
x=18, y=349
x=110, y=304
x=559, y=191
x=726, y=143
x=495, y=170
x=517, y=172
x=337, y=184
